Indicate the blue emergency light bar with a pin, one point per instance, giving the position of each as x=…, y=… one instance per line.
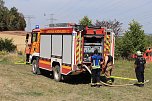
x=37, y=27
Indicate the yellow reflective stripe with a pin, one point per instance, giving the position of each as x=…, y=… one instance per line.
x=45, y=62
x=95, y=67
x=66, y=67
x=79, y=48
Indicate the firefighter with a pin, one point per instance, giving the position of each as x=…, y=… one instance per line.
x=107, y=68
x=27, y=50
x=96, y=62
x=139, y=69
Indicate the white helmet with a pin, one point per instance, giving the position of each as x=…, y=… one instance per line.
x=139, y=53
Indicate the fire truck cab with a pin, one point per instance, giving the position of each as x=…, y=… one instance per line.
x=68, y=50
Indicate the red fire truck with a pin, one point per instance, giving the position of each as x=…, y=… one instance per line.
x=67, y=50
x=148, y=55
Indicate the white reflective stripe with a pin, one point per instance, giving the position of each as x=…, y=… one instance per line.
x=99, y=63
x=94, y=63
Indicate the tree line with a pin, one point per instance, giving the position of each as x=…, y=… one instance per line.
x=11, y=19
x=132, y=40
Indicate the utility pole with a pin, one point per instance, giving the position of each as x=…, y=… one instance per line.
x=52, y=19
x=29, y=17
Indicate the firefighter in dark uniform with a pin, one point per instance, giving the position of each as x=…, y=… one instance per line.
x=96, y=62
x=139, y=69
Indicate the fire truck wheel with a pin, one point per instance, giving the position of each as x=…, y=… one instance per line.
x=35, y=67
x=56, y=73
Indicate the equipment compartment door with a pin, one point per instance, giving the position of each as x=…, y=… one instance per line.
x=67, y=49
x=90, y=44
x=45, y=46
x=57, y=45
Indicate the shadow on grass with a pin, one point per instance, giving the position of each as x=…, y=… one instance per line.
x=83, y=78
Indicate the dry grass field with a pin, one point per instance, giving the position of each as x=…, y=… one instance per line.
x=18, y=83
x=18, y=38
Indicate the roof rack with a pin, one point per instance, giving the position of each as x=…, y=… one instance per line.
x=94, y=27
x=61, y=25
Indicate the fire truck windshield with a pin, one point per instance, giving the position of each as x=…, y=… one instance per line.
x=34, y=37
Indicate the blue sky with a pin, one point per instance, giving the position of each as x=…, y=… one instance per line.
x=74, y=10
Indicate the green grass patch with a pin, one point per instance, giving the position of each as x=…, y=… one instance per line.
x=31, y=93
x=11, y=58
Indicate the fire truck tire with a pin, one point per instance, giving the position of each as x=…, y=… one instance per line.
x=57, y=74
x=35, y=67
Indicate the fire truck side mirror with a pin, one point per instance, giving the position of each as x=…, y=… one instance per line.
x=27, y=37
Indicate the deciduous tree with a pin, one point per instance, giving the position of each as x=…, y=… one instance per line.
x=11, y=19
x=115, y=25
x=133, y=40
x=85, y=21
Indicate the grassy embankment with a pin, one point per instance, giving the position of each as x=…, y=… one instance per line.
x=17, y=83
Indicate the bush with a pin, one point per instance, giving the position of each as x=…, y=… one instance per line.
x=3, y=53
x=7, y=45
